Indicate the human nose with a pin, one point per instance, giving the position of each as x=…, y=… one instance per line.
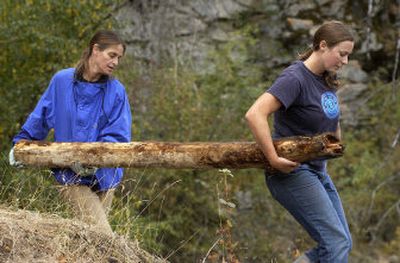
x=115, y=61
x=345, y=60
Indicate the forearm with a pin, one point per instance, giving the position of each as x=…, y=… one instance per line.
x=262, y=134
x=338, y=132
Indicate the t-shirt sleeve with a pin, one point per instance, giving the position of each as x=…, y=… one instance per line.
x=286, y=89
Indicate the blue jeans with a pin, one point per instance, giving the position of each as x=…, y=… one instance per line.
x=312, y=199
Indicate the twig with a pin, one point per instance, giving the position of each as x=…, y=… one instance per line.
x=396, y=63
x=371, y=205
x=381, y=165
x=369, y=25
x=396, y=139
x=385, y=215
x=209, y=251
x=152, y=200
x=184, y=243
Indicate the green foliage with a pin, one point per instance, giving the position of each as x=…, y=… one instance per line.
x=368, y=176
x=29, y=189
x=177, y=104
x=177, y=214
x=38, y=38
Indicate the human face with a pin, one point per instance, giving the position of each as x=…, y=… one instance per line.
x=335, y=57
x=107, y=60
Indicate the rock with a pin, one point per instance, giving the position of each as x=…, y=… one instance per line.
x=394, y=259
x=353, y=72
x=267, y=6
x=296, y=24
x=335, y=9
x=350, y=92
x=214, y=9
x=322, y=2
x=220, y=32
x=294, y=9
x=350, y=98
x=244, y=200
x=370, y=45
x=184, y=26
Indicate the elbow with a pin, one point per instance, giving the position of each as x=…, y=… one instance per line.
x=249, y=116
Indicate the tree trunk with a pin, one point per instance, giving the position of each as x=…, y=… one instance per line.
x=196, y=155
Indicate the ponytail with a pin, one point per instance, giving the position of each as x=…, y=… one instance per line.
x=331, y=80
x=82, y=64
x=306, y=54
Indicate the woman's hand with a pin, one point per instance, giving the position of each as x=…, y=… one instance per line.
x=81, y=170
x=12, y=160
x=283, y=165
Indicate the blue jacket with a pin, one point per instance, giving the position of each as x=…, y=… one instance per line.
x=81, y=112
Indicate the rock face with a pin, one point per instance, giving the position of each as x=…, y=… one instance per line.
x=188, y=31
x=351, y=93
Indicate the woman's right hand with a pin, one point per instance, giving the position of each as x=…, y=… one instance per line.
x=283, y=165
x=12, y=160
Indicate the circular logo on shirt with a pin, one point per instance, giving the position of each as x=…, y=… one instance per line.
x=330, y=104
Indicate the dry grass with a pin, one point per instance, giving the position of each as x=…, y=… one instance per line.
x=27, y=236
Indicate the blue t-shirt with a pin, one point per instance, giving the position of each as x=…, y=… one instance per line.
x=309, y=106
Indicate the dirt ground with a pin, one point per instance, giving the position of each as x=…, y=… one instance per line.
x=27, y=236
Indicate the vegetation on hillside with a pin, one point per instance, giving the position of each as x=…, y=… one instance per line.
x=186, y=215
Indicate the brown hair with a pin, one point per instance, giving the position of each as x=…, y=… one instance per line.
x=104, y=39
x=333, y=32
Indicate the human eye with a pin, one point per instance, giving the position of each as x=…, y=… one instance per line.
x=344, y=53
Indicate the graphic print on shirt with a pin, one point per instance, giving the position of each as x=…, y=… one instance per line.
x=330, y=104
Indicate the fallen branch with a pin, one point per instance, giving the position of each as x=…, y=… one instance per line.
x=196, y=155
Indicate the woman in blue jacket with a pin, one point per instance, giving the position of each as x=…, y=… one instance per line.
x=303, y=101
x=85, y=104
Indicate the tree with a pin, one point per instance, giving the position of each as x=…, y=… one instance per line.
x=38, y=38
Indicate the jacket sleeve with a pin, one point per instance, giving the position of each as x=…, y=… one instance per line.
x=39, y=122
x=118, y=128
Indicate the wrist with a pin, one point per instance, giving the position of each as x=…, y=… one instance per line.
x=272, y=158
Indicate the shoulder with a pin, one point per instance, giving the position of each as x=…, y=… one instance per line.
x=116, y=86
x=64, y=74
x=295, y=71
x=290, y=76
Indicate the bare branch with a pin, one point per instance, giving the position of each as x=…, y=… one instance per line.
x=396, y=139
x=209, y=251
x=396, y=64
x=383, y=218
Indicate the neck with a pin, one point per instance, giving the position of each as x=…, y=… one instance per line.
x=313, y=63
x=91, y=73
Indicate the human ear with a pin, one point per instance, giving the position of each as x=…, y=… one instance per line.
x=96, y=48
x=323, y=45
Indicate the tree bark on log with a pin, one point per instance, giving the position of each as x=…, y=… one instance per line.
x=195, y=155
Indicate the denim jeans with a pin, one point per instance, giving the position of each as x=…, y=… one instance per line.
x=312, y=199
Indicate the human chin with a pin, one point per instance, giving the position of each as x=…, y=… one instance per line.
x=333, y=68
x=107, y=70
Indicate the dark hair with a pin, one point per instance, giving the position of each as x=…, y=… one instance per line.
x=333, y=32
x=104, y=39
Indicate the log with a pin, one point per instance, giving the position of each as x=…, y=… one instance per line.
x=193, y=155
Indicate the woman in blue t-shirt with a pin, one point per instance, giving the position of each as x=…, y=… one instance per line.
x=303, y=101
x=85, y=104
